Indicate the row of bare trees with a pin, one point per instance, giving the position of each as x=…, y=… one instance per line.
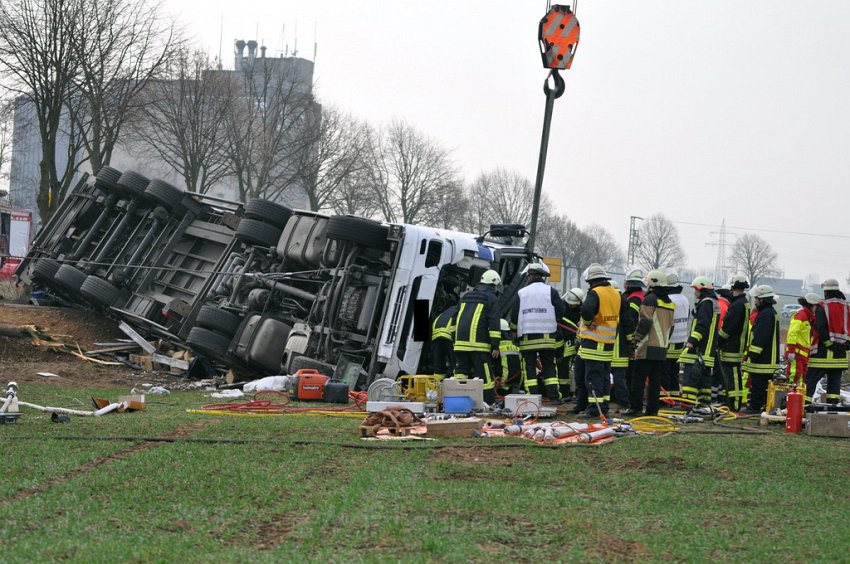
x=82, y=65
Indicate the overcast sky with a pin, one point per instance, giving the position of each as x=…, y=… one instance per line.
x=698, y=110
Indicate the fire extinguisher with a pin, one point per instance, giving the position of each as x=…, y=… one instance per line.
x=794, y=411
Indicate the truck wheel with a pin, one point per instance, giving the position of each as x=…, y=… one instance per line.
x=300, y=362
x=69, y=278
x=44, y=269
x=268, y=212
x=359, y=230
x=256, y=232
x=133, y=183
x=164, y=193
x=107, y=178
x=100, y=292
x=217, y=319
x=209, y=343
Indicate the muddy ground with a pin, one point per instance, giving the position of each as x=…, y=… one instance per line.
x=21, y=359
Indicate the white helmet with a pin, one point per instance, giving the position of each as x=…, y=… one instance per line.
x=491, y=277
x=702, y=283
x=538, y=268
x=634, y=278
x=763, y=291
x=575, y=296
x=595, y=272
x=672, y=280
x=656, y=278
x=504, y=325
x=812, y=298
x=739, y=282
x=830, y=284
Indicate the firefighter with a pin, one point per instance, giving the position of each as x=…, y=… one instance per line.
x=442, y=343
x=732, y=339
x=600, y=315
x=801, y=337
x=718, y=392
x=509, y=370
x=829, y=355
x=622, y=366
x=762, y=356
x=698, y=354
x=681, y=322
x=651, y=339
x=537, y=312
x=569, y=331
x=478, y=332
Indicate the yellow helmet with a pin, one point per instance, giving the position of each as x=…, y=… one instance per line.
x=491, y=277
x=702, y=283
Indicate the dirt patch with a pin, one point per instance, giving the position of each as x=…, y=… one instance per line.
x=21, y=359
x=277, y=530
x=77, y=325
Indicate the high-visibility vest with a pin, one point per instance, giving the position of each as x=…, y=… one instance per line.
x=536, y=310
x=799, y=340
x=838, y=319
x=680, y=320
x=603, y=327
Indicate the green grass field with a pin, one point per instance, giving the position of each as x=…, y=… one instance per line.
x=66, y=495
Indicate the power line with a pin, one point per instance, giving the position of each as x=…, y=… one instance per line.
x=766, y=230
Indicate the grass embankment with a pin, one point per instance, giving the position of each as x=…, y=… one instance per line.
x=676, y=497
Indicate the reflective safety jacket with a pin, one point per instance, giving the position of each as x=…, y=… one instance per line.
x=723, y=304
x=510, y=367
x=444, y=326
x=655, y=324
x=734, y=330
x=763, y=347
x=477, y=324
x=600, y=314
x=626, y=328
x=536, y=309
x=681, y=323
x=800, y=333
x=830, y=352
x=536, y=313
x=703, y=330
x=568, y=325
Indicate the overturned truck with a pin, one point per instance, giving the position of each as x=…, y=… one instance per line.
x=259, y=287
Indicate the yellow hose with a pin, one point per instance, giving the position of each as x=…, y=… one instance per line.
x=652, y=424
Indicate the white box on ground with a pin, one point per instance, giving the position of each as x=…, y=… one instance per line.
x=527, y=403
x=472, y=388
x=414, y=406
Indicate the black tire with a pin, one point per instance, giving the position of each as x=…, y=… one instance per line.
x=300, y=362
x=208, y=343
x=359, y=230
x=69, y=278
x=256, y=232
x=107, y=178
x=217, y=319
x=44, y=269
x=100, y=292
x=268, y=212
x=165, y=194
x=133, y=183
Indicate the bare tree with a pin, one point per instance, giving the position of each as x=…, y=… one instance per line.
x=183, y=120
x=334, y=156
x=120, y=46
x=501, y=196
x=603, y=248
x=754, y=257
x=659, y=244
x=7, y=114
x=410, y=174
x=264, y=126
x=37, y=60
